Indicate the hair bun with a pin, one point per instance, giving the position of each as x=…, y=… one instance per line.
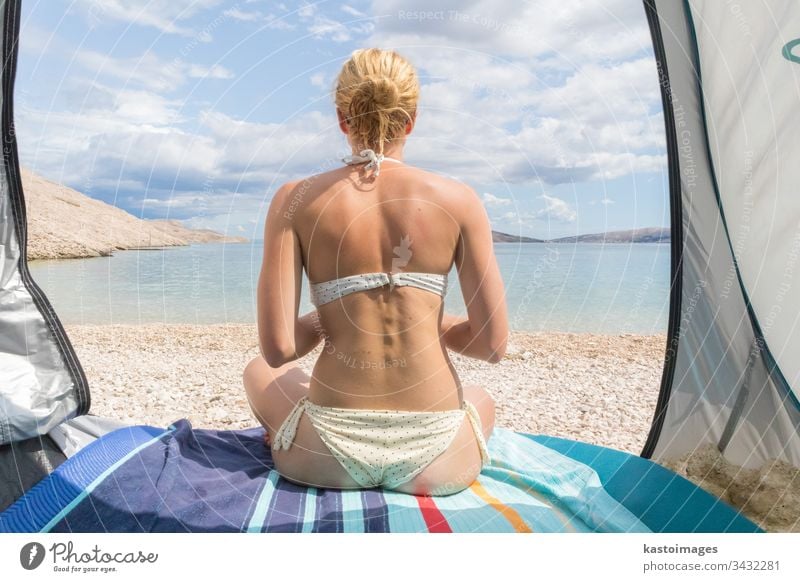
x=380, y=92
x=376, y=93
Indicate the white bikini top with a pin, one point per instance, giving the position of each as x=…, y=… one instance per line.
x=327, y=291
x=322, y=293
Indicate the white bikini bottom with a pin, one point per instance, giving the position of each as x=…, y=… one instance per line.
x=382, y=448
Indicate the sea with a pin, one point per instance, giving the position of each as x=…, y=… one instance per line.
x=572, y=287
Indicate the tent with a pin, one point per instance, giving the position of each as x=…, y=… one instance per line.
x=730, y=86
x=730, y=80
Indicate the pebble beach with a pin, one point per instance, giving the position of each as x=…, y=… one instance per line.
x=600, y=389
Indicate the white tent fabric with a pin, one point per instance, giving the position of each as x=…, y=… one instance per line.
x=751, y=96
x=731, y=97
x=41, y=380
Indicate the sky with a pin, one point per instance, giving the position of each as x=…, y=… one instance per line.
x=198, y=110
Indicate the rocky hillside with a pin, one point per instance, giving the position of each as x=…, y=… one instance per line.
x=637, y=235
x=653, y=234
x=63, y=223
x=504, y=237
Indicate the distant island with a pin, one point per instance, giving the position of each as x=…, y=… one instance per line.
x=503, y=237
x=65, y=224
x=652, y=234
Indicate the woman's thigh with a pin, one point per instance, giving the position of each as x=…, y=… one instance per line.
x=273, y=393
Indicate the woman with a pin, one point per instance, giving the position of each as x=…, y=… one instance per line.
x=377, y=237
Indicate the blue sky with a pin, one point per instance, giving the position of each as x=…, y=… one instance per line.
x=199, y=110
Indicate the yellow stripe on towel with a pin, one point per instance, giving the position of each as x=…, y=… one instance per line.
x=511, y=514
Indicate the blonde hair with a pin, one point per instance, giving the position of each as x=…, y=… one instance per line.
x=377, y=92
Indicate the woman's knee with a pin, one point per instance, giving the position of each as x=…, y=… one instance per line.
x=258, y=374
x=253, y=371
x=272, y=397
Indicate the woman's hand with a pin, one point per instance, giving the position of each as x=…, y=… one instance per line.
x=458, y=335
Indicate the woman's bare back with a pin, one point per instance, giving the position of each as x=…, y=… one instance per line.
x=382, y=348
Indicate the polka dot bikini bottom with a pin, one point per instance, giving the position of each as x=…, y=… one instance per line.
x=382, y=448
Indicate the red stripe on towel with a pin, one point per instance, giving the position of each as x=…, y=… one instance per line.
x=434, y=519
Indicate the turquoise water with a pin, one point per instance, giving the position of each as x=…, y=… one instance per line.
x=602, y=288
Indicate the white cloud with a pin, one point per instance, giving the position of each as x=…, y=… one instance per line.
x=277, y=22
x=269, y=20
x=36, y=39
x=491, y=200
x=186, y=200
x=242, y=15
x=121, y=137
x=324, y=27
x=140, y=142
x=556, y=209
x=149, y=70
x=306, y=10
x=124, y=107
x=351, y=11
x=271, y=152
x=317, y=80
x=212, y=72
x=555, y=92
x=562, y=31
x=213, y=210
x=321, y=26
x=163, y=15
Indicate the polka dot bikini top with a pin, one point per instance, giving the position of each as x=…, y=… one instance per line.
x=327, y=291
x=322, y=293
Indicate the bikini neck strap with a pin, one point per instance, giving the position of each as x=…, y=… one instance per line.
x=370, y=156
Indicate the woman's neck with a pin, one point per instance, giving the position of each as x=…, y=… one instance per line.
x=394, y=153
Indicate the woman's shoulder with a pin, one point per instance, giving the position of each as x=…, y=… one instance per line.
x=458, y=195
x=443, y=187
x=446, y=190
x=305, y=187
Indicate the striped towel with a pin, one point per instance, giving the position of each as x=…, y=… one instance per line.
x=147, y=479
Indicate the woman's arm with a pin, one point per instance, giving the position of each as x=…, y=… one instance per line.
x=455, y=331
x=483, y=334
x=283, y=337
x=308, y=333
x=459, y=337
